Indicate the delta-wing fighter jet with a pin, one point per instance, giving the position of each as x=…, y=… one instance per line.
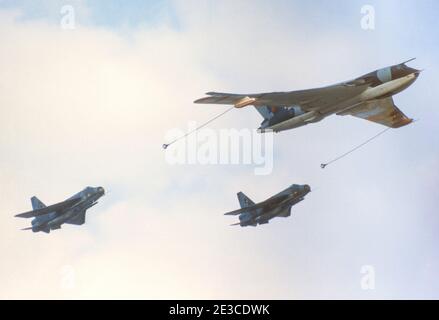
x=279, y=205
x=368, y=97
x=70, y=211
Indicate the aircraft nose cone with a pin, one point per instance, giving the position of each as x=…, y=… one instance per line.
x=307, y=188
x=403, y=70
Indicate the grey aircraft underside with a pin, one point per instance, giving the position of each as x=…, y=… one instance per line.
x=279, y=205
x=70, y=211
x=367, y=97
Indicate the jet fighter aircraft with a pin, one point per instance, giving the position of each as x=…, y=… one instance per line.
x=279, y=205
x=71, y=211
x=367, y=97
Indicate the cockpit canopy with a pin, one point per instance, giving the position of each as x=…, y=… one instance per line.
x=387, y=74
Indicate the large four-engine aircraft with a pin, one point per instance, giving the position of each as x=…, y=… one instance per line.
x=368, y=97
x=71, y=211
x=279, y=205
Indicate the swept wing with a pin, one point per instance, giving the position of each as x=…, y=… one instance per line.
x=55, y=207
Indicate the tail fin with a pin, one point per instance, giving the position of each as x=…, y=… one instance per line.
x=37, y=204
x=244, y=201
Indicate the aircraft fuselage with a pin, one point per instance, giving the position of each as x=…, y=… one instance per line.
x=277, y=206
x=384, y=83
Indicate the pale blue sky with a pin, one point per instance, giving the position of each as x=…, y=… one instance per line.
x=322, y=13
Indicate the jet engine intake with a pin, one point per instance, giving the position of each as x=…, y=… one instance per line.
x=284, y=114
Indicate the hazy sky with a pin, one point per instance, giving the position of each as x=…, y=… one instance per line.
x=92, y=105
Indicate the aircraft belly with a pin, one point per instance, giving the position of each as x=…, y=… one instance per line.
x=286, y=126
x=264, y=218
x=295, y=122
x=330, y=110
x=55, y=223
x=318, y=115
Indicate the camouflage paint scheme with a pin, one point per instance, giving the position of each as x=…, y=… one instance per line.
x=367, y=97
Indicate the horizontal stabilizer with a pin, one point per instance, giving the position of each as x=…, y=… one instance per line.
x=238, y=100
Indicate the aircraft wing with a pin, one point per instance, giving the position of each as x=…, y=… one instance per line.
x=78, y=220
x=308, y=100
x=49, y=209
x=262, y=205
x=242, y=210
x=382, y=111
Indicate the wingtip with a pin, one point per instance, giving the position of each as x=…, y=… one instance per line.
x=199, y=100
x=231, y=213
x=209, y=94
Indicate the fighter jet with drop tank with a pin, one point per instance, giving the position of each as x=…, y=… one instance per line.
x=368, y=97
x=279, y=205
x=70, y=211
